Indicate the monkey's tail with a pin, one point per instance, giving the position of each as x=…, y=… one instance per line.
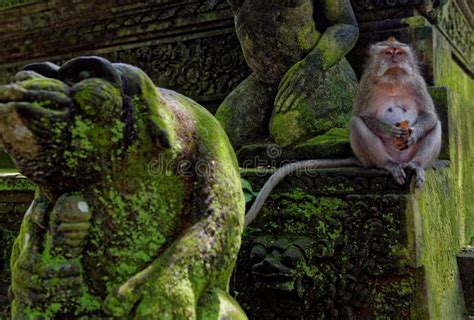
x=281, y=173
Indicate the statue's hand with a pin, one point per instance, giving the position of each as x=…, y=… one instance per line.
x=120, y=302
x=36, y=281
x=70, y=225
x=299, y=83
x=168, y=294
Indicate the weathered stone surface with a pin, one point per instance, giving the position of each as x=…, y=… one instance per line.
x=62, y=29
x=351, y=244
x=16, y=194
x=188, y=46
x=140, y=208
x=327, y=108
x=299, y=72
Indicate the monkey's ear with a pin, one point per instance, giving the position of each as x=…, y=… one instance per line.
x=159, y=133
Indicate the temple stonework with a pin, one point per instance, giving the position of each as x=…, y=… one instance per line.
x=329, y=244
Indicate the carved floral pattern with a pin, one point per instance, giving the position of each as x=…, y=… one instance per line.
x=196, y=68
x=454, y=22
x=360, y=5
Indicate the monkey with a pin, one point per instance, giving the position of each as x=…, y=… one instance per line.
x=392, y=96
x=392, y=91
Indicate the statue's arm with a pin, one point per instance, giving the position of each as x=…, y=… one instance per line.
x=341, y=35
x=206, y=247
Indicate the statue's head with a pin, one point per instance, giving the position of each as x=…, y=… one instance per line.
x=71, y=124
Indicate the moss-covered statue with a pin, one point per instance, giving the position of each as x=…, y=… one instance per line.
x=301, y=85
x=139, y=210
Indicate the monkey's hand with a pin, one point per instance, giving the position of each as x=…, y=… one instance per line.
x=406, y=137
x=298, y=84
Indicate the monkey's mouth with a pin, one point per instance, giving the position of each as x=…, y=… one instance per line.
x=395, y=69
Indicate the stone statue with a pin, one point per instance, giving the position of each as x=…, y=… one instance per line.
x=301, y=85
x=139, y=210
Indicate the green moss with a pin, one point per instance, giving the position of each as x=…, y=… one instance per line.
x=392, y=300
x=415, y=21
x=180, y=228
x=333, y=136
x=307, y=37
x=6, y=4
x=438, y=206
x=48, y=84
x=7, y=238
x=316, y=116
x=15, y=182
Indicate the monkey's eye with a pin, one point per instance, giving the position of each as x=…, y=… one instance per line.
x=388, y=53
x=399, y=53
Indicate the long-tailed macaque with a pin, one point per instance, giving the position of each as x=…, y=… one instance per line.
x=394, y=124
x=392, y=94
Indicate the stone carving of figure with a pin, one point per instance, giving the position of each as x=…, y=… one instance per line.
x=301, y=85
x=139, y=210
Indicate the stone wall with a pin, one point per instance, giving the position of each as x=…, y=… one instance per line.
x=16, y=193
x=381, y=244
x=186, y=45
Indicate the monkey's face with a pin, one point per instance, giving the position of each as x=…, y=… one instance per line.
x=392, y=61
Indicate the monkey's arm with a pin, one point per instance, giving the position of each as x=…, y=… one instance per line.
x=377, y=126
x=342, y=34
x=424, y=123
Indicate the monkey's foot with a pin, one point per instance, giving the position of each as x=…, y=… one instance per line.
x=418, y=170
x=396, y=170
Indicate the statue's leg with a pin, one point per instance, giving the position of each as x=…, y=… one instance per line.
x=216, y=304
x=246, y=111
x=321, y=106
